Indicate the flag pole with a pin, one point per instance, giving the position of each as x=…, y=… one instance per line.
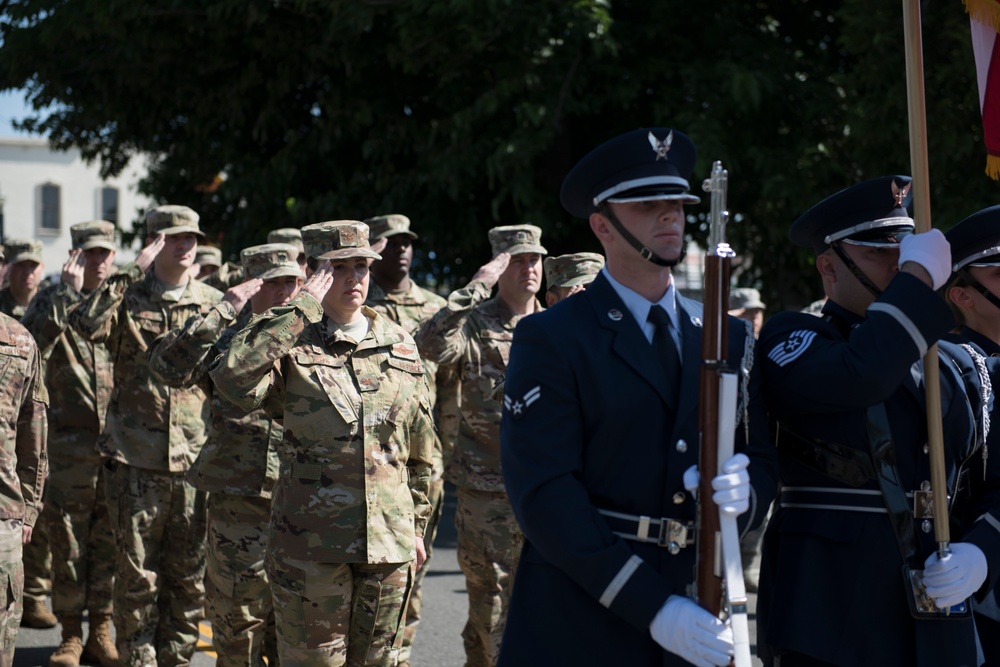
x=922, y=217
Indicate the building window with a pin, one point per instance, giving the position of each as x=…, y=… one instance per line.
x=49, y=219
x=109, y=205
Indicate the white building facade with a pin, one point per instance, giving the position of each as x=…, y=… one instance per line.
x=44, y=192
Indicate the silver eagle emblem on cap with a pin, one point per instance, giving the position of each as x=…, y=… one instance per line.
x=661, y=148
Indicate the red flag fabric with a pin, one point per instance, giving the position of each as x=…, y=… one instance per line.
x=985, y=23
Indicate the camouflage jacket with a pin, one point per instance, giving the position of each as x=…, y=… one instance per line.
x=149, y=425
x=229, y=274
x=23, y=460
x=240, y=457
x=357, y=450
x=10, y=307
x=410, y=309
x=473, y=332
x=79, y=373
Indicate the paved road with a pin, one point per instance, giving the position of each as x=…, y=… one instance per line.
x=438, y=642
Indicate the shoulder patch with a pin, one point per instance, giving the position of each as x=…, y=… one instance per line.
x=793, y=347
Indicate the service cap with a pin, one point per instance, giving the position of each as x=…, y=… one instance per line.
x=877, y=212
x=93, y=234
x=642, y=165
x=271, y=260
x=579, y=268
x=975, y=241
x=337, y=239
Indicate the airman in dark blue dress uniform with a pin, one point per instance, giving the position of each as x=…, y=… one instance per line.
x=600, y=424
x=846, y=394
x=973, y=294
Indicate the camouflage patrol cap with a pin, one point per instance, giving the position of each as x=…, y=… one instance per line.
x=337, y=239
x=207, y=255
x=516, y=240
x=288, y=235
x=271, y=260
x=23, y=250
x=382, y=226
x=93, y=234
x=745, y=298
x=580, y=268
x=172, y=219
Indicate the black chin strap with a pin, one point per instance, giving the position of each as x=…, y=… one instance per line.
x=634, y=242
x=858, y=273
x=978, y=286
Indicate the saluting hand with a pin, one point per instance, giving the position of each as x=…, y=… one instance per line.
x=491, y=271
x=149, y=253
x=319, y=282
x=72, y=270
x=238, y=295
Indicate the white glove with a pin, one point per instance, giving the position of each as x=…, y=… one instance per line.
x=687, y=630
x=957, y=576
x=732, y=486
x=930, y=250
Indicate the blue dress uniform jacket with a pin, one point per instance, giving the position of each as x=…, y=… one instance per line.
x=831, y=580
x=601, y=433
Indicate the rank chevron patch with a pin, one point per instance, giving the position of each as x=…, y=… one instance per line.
x=516, y=406
x=793, y=347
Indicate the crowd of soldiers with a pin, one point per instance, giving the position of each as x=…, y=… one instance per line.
x=265, y=443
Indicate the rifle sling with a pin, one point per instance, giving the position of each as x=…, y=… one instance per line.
x=883, y=453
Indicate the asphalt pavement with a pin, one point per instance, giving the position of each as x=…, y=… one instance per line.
x=438, y=644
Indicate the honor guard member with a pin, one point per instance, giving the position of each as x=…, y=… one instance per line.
x=393, y=293
x=566, y=275
x=24, y=275
x=473, y=333
x=151, y=437
x=845, y=392
x=23, y=467
x=600, y=424
x=238, y=465
x=972, y=293
x=79, y=376
x=350, y=504
x=208, y=259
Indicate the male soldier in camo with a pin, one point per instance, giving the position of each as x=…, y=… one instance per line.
x=474, y=332
x=23, y=467
x=394, y=294
x=24, y=265
x=79, y=376
x=208, y=259
x=350, y=505
x=24, y=272
x=152, y=436
x=238, y=465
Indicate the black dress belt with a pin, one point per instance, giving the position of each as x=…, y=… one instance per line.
x=851, y=467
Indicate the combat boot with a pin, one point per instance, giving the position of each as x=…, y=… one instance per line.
x=37, y=615
x=71, y=648
x=100, y=646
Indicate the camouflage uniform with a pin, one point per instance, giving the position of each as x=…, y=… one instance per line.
x=474, y=332
x=229, y=274
x=351, y=497
x=152, y=436
x=237, y=467
x=410, y=308
x=23, y=467
x=37, y=554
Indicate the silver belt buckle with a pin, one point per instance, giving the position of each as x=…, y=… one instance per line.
x=673, y=535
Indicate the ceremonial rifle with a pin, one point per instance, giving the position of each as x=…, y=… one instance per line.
x=718, y=535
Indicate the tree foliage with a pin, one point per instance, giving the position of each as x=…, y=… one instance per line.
x=465, y=114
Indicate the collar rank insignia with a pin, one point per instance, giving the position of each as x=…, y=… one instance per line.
x=899, y=194
x=661, y=148
x=516, y=406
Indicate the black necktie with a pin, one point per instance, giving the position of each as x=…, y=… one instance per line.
x=665, y=348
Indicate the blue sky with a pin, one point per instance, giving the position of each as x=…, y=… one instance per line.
x=12, y=105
